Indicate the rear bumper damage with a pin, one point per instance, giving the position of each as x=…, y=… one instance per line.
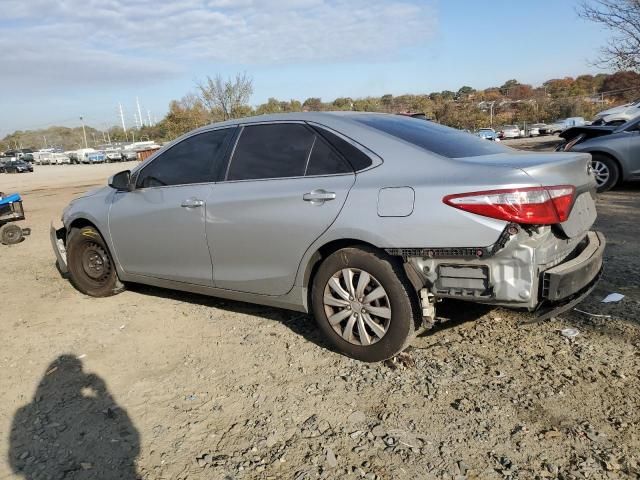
x=535, y=269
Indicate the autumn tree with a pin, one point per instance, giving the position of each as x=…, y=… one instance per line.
x=625, y=86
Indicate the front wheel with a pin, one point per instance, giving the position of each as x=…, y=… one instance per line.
x=364, y=304
x=91, y=267
x=606, y=172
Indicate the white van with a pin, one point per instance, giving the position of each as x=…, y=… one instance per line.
x=43, y=158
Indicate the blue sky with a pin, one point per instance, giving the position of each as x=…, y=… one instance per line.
x=69, y=58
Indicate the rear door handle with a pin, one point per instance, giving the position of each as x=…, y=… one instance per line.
x=192, y=203
x=318, y=196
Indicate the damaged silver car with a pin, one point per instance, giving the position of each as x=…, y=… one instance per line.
x=366, y=220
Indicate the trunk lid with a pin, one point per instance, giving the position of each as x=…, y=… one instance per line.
x=550, y=169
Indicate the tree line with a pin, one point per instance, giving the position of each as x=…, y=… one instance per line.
x=217, y=99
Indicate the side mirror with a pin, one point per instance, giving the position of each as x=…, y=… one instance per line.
x=121, y=181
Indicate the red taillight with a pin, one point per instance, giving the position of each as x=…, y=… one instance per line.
x=535, y=205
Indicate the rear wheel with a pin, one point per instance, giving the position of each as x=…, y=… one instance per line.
x=10, y=234
x=91, y=268
x=606, y=172
x=364, y=304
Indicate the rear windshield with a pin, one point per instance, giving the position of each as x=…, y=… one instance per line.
x=435, y=138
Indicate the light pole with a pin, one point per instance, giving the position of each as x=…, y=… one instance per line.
x=84, y=134
x=491, y=114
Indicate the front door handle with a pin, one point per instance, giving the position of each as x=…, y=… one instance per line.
x=192, y=203
x=318, y=196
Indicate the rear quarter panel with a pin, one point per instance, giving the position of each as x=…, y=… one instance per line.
x=431, y=223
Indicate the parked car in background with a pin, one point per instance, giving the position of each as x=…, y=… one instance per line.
x=43, y=158
x=95, y=157
x=487, y=134
x=27, y=157
x=561, y=125
x=17, y=166
x=509, y=131
x=618, y=115
x=128, y=155
x=113, y=155
x=533, y=130
x=73, y=156
x=364, y=219
x=60, y=159
x=615, y=151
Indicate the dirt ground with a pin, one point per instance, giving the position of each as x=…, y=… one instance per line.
x=161, y=385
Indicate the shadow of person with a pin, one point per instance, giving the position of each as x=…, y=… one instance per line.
x=73, y=429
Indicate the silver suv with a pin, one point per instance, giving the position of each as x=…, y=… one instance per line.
x=364, y=219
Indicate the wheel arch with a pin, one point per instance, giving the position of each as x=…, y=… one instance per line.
x=82, y=222
x=615, y=159
x=322, y=252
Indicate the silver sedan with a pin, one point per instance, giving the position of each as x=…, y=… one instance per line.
x=366, y=220
x=615, y=151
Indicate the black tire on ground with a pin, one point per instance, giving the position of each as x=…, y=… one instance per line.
x=10, y=234
x=91, y=267
x=388, y=272
x=600, y=162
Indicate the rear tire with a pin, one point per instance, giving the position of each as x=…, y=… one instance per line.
x=91, y=267
x=606, y=171
x=375, y=318
x=10, y=234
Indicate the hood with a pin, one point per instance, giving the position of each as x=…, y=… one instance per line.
x=95, y=191
x=588, y=131
x=611, y=111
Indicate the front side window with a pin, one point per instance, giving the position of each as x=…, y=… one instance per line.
x=277, y=150
x=193, y=160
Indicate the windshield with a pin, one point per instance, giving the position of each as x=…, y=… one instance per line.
x=432, y=137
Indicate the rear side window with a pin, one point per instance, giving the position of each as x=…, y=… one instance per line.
x=193, y=160
x=430, y=136
x=356, y=157
x=271, y=151
x=325, y=160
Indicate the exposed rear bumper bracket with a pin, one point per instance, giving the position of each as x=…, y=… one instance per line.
x=58, y=237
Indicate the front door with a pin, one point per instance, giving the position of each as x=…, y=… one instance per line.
x=158, y=229
x=284, y=187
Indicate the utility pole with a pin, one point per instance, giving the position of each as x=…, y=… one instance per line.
x=108, y=136
x=135, y=117
x=45, y=141
x=491, y=114
x=122, y=120
x=149, y=116
x=93, y=134
x=139, y=112
x=84, y=133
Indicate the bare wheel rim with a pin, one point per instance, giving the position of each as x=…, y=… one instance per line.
x=357, y=306
x=96, y=263
x=601, y=172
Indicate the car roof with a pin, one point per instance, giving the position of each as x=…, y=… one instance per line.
x=320, y=117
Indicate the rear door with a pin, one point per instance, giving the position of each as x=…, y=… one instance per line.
x=158, y=229
x=284, y=186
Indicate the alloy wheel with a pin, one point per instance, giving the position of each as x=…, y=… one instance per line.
x=357, y=306
x=601, y=172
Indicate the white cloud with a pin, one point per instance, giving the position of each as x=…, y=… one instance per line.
x=157, y=37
